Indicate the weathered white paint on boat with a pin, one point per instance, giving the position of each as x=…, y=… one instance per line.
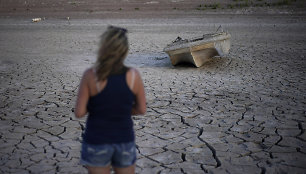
x=198, y=50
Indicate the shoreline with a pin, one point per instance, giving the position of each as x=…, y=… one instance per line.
x=151, y=12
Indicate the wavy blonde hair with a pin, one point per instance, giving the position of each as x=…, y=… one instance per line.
x=112, y=52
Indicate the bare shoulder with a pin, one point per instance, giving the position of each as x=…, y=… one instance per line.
x=135, y=71
x=133, y=79
x=89, y=73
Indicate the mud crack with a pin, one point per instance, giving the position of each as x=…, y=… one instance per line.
x=210, y=148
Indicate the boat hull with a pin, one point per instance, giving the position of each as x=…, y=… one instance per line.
x=199, y=53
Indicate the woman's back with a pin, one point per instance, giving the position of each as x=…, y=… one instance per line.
x=109, y=119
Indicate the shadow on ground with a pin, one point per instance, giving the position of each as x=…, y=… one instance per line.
x=163, y=60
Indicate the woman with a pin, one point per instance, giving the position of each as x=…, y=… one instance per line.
x=110, y=92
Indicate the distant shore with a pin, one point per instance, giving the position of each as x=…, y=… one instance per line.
x=145, y=9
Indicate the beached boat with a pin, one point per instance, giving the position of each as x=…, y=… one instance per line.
x=198, y=50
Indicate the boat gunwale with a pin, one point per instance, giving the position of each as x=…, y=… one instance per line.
x=220, y=37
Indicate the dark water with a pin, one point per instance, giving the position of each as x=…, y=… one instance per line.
x=148, y=60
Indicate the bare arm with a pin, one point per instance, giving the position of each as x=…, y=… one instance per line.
x=139, y=108
x=83, y=96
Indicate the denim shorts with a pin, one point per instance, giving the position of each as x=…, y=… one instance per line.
x=118, y=155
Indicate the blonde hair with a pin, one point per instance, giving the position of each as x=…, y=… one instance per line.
x=112, y=52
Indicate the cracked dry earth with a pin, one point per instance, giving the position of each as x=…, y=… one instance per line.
x=241, y=114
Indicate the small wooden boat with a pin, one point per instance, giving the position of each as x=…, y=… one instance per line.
x=198, y=50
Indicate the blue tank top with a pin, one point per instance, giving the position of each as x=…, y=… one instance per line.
x=109, y=119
